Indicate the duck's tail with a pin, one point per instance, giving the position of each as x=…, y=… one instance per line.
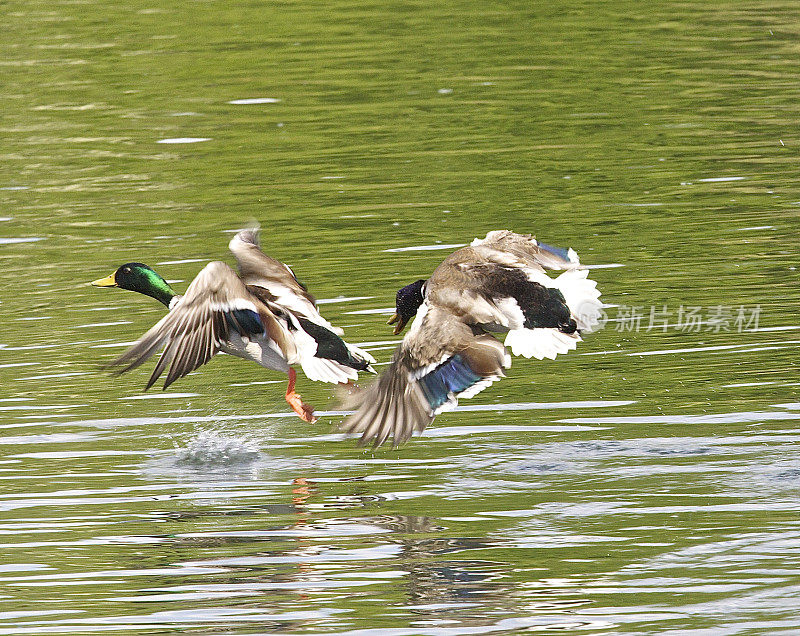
x=541, y=342
x=325, y=356
x=582, y=298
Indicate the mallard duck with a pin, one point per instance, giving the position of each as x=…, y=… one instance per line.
x=496, y=284
x=263, y=314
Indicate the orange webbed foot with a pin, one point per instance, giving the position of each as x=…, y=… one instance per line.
x=304, y=411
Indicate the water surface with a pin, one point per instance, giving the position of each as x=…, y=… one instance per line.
x=647, y=483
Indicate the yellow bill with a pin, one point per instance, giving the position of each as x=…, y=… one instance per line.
x=108, y=281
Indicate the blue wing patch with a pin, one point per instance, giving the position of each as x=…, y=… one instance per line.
x=451, y=377
x=560, y=252
x=245, y=322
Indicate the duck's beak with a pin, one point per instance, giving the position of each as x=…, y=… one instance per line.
x=108, y=281
x=400, y=323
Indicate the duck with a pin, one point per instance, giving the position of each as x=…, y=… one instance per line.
x=263, y=314
x=498, y=284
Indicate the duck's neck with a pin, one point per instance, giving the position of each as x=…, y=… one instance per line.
x=159, y=289
x=164, y=297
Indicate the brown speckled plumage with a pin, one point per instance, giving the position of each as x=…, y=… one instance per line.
x=495, y=284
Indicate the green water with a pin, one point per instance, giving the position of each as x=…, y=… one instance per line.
x=647, y=483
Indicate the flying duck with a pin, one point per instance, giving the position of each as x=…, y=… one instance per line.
x=264, y=314
x=496, y=284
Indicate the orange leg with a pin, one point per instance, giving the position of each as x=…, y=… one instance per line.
x=304, y=411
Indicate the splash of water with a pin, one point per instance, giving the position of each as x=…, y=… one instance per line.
x=210, y=448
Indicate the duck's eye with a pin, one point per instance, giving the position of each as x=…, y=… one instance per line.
x=126, y=270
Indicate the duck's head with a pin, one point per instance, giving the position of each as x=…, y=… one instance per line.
x=407, y=301
x=140, y=278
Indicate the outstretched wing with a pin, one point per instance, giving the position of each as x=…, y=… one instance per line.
x=528, y=250
x=215, y=305
x=500, y=284
x=286, y=291
x=320, y=350
x=256, y=268
x=438, y=362
x=533, y=257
